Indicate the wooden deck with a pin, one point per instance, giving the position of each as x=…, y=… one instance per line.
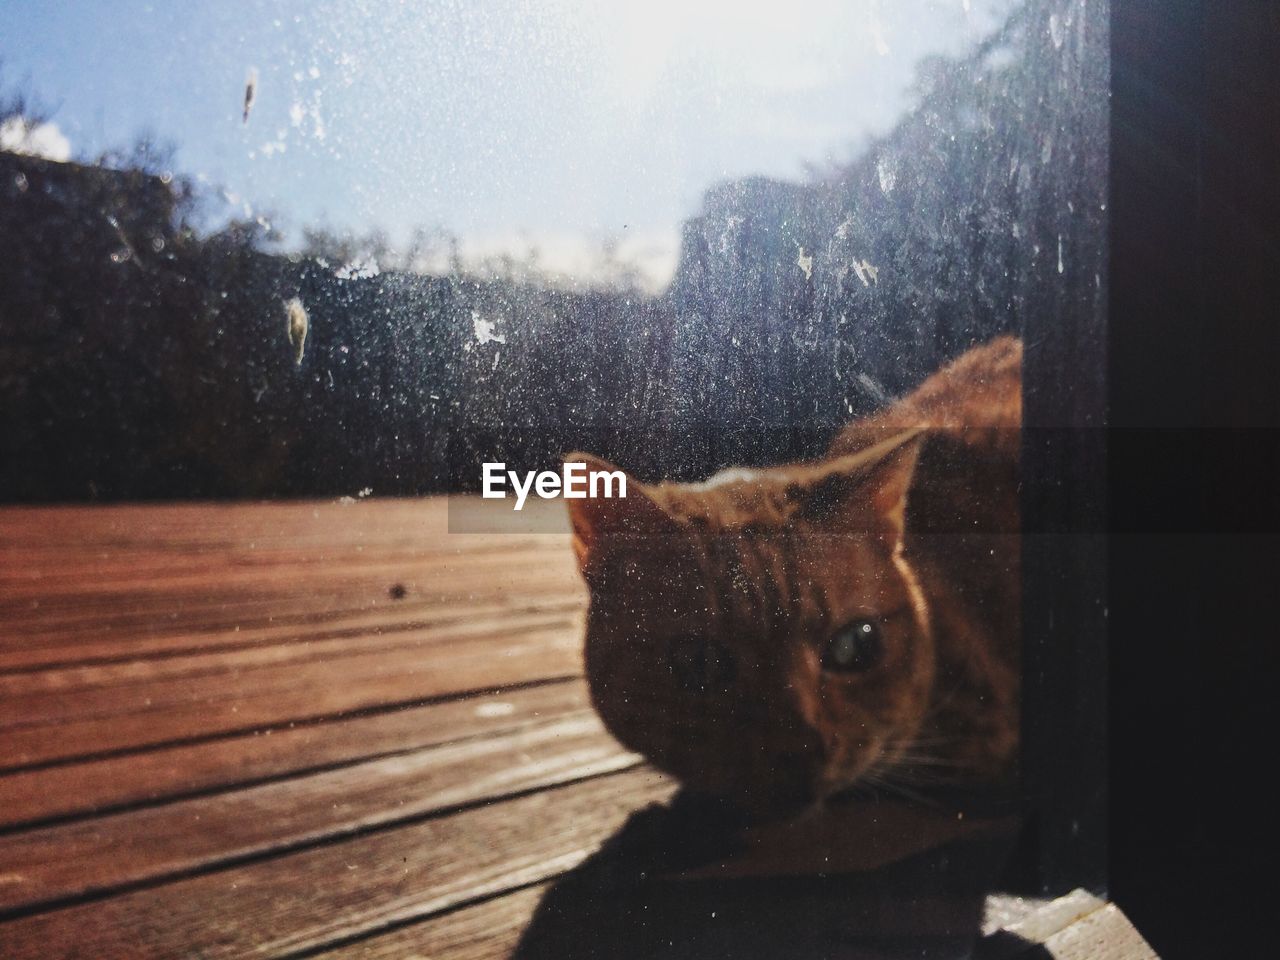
x=335, y=729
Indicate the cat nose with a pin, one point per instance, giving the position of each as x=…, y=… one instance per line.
x=702, y=665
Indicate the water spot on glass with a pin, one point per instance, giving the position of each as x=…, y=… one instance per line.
x=250, y=92
x=1057, y=31
x=360, y=268
x=887, y=174
x=805, y=263
x=296, y=324
x=867, y=273
x=484, y=330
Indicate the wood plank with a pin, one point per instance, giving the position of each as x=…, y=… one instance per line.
x=39, y=617
x=150, y=568
x=103, y=853
x=66, y=570
x=1105, y=934
x=1078, y=926
x=853, y=918
x=84, y=654
x=49, y=793
x=378, y=655
x=1054, y=916
x=66, y=590
x=106, y=689
x=307, y=693
x=32, y=538
x=197, y=527
x=242, y=614
x=492, y=928
x=481, y=932
x=1011, y=940
x=235, y=626
x=1003, y=910
x=248, y=549
x=312, y=898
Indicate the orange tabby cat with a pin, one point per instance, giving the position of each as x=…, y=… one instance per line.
x=779, y=635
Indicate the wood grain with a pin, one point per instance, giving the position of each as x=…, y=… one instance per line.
x=1078, y=926
x=95, y=575
x=234, y=629
x=480, y=932
x=312, y=898
x=125, y=688
x=82, y=788
x=56, y=863
x=357, y=683
x=1105, y=934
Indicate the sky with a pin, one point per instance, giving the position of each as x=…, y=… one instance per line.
x=512, y=124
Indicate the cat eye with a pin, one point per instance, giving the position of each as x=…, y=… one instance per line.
x=853, y=648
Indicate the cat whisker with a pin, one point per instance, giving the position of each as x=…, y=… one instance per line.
x=907, y=793
x=925, y=780
x=924, y=760
x=910, y=746
x=915, y=764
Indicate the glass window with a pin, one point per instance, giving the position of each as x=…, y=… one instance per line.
x=564, y=477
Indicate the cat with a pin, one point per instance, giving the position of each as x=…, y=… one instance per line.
x=781, y=635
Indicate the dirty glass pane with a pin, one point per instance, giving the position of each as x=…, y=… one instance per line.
x=279, y=280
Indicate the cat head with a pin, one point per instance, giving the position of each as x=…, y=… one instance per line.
x=759, y=636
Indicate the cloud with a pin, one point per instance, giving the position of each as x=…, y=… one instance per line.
x=43, y=139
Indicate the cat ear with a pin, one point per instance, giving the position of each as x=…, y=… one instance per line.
x=594, y=519
x=889, y=482
x=870, y=485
